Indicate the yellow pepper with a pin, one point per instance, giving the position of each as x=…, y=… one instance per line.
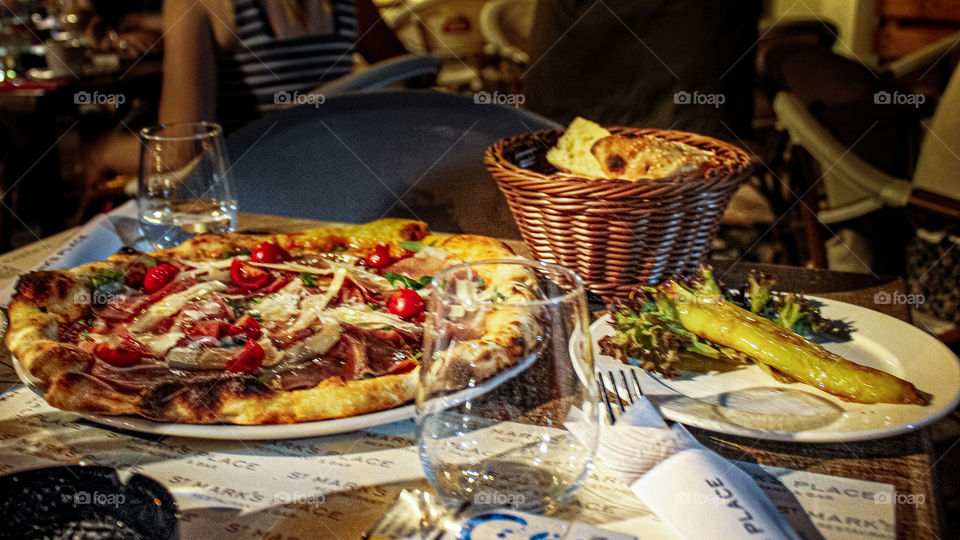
x=713, y=318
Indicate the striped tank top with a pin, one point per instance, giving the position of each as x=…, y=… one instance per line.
x=263, y=73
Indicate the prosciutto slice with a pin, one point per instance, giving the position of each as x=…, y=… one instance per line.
x=359, y=353
x=127, y=307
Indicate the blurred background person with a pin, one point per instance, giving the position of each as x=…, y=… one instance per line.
x=640, y=63
x=228, y=60
x=130, y=27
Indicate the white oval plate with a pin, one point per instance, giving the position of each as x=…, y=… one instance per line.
x=238, y=432
x=878, y=341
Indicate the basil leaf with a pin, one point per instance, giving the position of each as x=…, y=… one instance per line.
x=415, y=284
x=412, y=246
x=232, y=254
x=103, y=277
x=308, y=279
x=239, y=307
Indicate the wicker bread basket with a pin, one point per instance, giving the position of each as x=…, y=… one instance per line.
x=615, y=234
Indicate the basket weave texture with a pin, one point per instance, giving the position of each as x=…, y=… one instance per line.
x=616, y=234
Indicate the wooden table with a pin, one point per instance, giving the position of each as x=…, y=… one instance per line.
x=904, y=461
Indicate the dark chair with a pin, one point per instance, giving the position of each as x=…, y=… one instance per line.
x=385, y=73
x=361, y=157
x=863, y=146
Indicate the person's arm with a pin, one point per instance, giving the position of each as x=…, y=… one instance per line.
x=188, y=91
x=375, y=40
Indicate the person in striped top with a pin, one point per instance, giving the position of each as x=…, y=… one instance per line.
x=231, y=61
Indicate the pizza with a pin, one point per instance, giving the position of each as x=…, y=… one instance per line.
x=247, y=328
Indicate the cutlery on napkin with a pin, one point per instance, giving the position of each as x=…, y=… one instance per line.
x=695, y=491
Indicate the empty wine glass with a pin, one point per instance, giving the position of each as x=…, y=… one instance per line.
x=185, y=185
x=506, y=374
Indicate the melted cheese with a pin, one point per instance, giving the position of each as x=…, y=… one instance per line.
x=159, y=344
x=359, y=275
x=280, y=305
x=431, y=252
x=313, y=306
x=271, y=356
x=314, y=345
x=362, y=316
x=173, y=303
x=211, y=270
x=293, y=267
x=103, y=338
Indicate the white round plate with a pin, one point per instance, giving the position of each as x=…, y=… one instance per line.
x=878, y=341
x=238, y=432
x=252, y=433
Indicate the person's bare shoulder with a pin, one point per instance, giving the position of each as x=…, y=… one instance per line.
x=219, y=14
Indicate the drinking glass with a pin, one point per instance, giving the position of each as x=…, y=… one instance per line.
x=495, y=409
x=185, y=186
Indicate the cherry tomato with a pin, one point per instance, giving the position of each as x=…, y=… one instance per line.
x=404, y=366
x=245, y=326
x=248, y=276
x=379, y=256
x=158, y=276
x=405, y=303
x=248, y=360
x=127, y=352
x=269, y=252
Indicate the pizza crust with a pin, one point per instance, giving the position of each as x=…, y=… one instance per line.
x=43, y=302
x=46, y=300
x=242, y=400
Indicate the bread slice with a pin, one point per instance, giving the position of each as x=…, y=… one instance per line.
x=572, y=152
x=645, y=157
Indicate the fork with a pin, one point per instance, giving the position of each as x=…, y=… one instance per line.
x=632, y=392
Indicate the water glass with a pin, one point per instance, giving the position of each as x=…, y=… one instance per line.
x=185, y=185
x=495, y=410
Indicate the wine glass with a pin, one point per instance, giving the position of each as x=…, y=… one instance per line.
x=185, y=185
x=506, y=375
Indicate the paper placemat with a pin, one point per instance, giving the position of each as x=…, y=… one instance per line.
x=98, y=239
x=339, y=485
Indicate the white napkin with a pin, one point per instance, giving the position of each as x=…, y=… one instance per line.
x=97, y=239
x=695, y=491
